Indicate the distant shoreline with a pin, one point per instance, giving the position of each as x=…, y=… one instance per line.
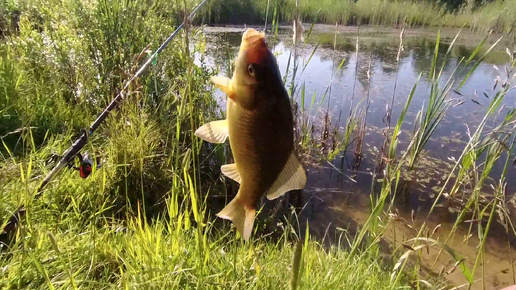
x=466, y=37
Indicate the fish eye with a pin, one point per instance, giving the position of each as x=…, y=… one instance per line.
x=250, y=69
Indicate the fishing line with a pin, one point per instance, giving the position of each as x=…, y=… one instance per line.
x=72, y=152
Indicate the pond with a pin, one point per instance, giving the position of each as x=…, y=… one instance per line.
x=336, y=195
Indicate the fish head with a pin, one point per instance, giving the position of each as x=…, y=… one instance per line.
x=255, y=63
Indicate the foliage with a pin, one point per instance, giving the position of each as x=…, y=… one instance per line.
x=144, y=219
x=141, y=220
x=482, y=16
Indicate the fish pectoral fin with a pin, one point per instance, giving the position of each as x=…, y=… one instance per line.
x=230, y=170
x=223, y=83
x=241, y=215
x=213, y=132
x=291, y=177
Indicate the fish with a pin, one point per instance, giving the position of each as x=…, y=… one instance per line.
x=260, y=128
x=298, y=31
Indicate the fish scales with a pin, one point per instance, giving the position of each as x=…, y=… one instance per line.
x=264, y=141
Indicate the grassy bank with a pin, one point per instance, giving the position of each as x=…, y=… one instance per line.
x=499, y=16
x=144, y=219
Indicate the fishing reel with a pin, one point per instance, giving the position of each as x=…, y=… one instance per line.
x=85, y=164
x=81, y=162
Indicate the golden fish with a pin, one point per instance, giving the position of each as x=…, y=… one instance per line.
x=259, y=125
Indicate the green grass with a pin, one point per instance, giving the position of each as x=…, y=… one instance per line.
x=498, y=16
x=166, y=256
x=145, y=219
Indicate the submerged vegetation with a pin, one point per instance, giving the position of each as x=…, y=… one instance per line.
x=145, y=218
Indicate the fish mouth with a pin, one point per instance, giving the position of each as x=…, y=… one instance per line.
x=251, y=37
x=253, y=49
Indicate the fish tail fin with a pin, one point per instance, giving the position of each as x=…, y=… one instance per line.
x=241, y=214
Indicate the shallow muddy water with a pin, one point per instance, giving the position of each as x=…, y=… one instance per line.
x=336, y=196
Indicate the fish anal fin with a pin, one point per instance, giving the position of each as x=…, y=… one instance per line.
x=214, y=132
x=223, y=83
x=292, y=177
x=241, y=215
x=230, y=170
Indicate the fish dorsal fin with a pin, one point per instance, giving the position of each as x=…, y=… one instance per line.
x=230, y=170
x=214, y=132
x=223, y=83
x=291, y=177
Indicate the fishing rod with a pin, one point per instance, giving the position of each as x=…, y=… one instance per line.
x=80, y=142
